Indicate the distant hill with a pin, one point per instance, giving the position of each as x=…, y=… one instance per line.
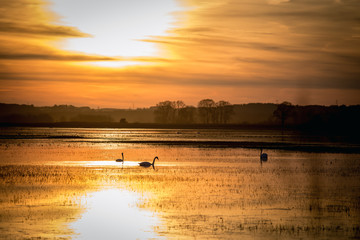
x=253, y=113
x=15, y=113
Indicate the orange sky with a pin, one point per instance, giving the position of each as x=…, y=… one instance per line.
x=137, y=53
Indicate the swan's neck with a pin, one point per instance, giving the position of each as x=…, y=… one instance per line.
x=154, y=161
x=122, y=154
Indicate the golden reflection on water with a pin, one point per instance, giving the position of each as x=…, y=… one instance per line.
x=113, y=214
x=210, y=193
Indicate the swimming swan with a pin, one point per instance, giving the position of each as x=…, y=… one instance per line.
x=147, y=164
x=263, y=156
x=120, y=159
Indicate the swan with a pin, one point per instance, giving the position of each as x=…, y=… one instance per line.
x=147, y=164
x=120, y=159
x=263, y=156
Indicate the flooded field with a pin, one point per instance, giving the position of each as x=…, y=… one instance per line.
x=60, y=183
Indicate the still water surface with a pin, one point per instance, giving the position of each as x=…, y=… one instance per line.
x=197, y=188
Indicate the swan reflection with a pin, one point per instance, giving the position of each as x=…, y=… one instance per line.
x=113, y=214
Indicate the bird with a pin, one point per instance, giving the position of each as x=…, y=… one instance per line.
x=121, y=159
x=263, y=156
x=147, y=164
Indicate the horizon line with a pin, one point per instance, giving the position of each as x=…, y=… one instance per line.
x=133, y=108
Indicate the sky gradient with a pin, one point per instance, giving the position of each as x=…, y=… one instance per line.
x=137, y=53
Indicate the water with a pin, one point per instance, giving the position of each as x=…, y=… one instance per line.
x=118, y=135
x=58, y=183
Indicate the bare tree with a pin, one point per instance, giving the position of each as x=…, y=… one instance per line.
x=178, y=112
x=206, y=108
x=174, y=112
x=165, y=112
x=224, y=111
x=179, y=106
x=283, y=112
x=187, y=114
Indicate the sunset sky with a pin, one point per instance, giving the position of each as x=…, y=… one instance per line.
x=121, y=54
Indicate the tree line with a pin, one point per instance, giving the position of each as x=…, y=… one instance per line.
x=334, y=118
x=311, y=117
x=286, y=115
x=208, y=112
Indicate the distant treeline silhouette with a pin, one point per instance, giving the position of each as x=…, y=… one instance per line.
x=317, y=118
x=207, y=112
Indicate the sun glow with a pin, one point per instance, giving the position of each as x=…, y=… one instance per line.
x=116, y=64
x=113, y=214
x=117, y=28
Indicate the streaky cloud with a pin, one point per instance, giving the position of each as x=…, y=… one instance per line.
x=31, y=18
x=55, y=57
x=44, y=30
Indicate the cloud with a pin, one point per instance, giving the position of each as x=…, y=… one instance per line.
x=276, y=2
x=31, y=18
x=257, y=50
x=44, y=30
x=28, y=32
x=55, y=57
x=20, y=49
x=301, y=39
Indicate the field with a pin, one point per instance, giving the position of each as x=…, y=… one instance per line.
x=63, y=188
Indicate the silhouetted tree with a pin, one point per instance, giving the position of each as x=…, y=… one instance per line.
x=178, y=105
x=283, y=112
x=206, y=108
x=187, y=114
x=224, y=111
x=174, y=112
x=164, y=112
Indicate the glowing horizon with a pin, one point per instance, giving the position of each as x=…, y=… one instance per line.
x=117, y=28
x=120, y=54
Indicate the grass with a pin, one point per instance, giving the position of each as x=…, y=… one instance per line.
x=203, y=201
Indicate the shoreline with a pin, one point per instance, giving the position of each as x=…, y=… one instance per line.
x=310, y=142
x=305, y=129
